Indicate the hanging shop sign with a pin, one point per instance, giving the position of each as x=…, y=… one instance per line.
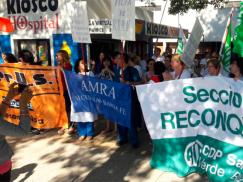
x=101, y=26
x=34, y=16
x=157, y=30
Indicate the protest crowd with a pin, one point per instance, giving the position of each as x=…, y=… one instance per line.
x=182, y=99
x=127, y=69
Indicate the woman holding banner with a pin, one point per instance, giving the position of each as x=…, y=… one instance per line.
x=9, y=129
x=213, y=66
x=63, y=61
x=85, y=119
x=179, y=67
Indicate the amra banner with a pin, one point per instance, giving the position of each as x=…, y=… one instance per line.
x=90, y=94
x=196, y=126
x=47, y=107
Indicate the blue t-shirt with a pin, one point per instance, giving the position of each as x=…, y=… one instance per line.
x=131, y=74
x=117, y=72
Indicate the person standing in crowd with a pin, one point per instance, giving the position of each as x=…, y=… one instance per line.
x=117, y=66
x=85, y=119
x=159, y=69
x=107, y=74
x=130, y=76
x=167, y=63
x=97, y=64
x=203, y=65
x=143, y=63
x=150, y=69
x=9, y=129
x=179, y=67
x=213, y=67
x=236, y=69
x=9, y=58
x=26, y=57
x=157, y=56
x=63, y=61
x=106, y=70
x=130, y=73
x=136, y=60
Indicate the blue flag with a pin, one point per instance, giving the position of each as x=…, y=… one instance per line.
x=90, y=94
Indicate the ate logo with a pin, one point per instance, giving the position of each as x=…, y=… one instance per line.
x=192, y=152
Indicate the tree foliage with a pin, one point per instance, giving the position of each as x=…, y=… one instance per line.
x=182, y=6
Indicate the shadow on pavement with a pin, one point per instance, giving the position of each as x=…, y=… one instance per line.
x=27, y=170
x=101, y=161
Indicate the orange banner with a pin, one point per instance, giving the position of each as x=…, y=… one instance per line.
x=47, y=107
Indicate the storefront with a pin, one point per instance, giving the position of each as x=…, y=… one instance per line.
x=43, y=27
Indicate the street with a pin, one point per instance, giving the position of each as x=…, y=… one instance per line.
x=52, y=158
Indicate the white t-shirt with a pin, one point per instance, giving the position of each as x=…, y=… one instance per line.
x=143, y=64
x=185, y=74
x=158, y=59
x=83, y=116
x=203, y=63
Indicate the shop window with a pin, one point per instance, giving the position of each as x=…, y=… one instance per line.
x=39, y=47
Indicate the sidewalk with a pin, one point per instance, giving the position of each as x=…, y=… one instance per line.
x=52, y=158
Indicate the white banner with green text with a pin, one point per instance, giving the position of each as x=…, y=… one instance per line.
x=196, y=125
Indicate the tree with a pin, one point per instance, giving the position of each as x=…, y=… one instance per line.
x=182, y=6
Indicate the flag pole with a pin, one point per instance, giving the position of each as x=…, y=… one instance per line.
x=225, y=33
x=156, y=43
x=122, y=48
x=178, y=32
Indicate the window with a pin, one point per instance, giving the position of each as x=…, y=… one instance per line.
x=39, y=47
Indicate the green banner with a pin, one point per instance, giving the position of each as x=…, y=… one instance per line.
x=222, y=162
x=238, y=42
x=196, y=125
x=226, y=52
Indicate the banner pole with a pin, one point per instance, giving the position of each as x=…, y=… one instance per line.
x=122, y=47
x=83, y=56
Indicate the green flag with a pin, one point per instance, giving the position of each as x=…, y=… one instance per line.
x=238, y=42
x=181, y=42
x=225, y=51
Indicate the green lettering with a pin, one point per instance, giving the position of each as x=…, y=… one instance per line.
x=197, y=122
x=167, y=118
x=221, y=97
x=236, y=130
x=212, y=97
x=186, y=91
x=204, y=118
x=179, y=119
x=237, y=97
x=221, y=118
x=202, y=95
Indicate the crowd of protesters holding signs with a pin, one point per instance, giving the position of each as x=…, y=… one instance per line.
x=124, y=68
